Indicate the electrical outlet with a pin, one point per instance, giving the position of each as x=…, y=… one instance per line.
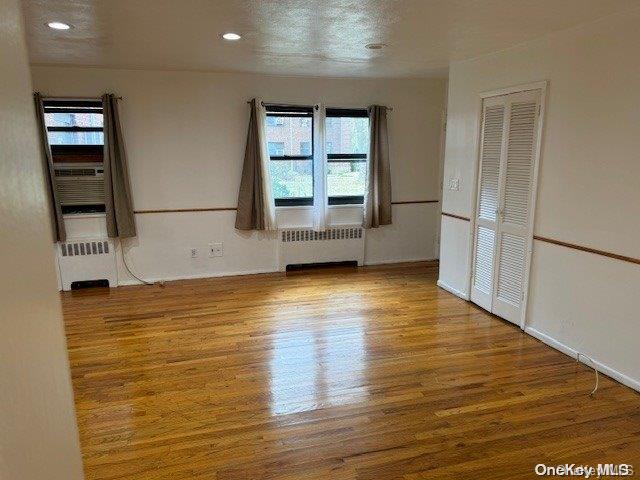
x=215, y=250
x=194, y=252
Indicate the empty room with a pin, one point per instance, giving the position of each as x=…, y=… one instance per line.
x=319, y=239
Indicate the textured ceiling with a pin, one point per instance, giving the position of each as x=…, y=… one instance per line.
x=296, y=37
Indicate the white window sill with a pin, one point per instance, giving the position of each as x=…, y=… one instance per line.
x=295, y=207
x=84, y=215
x=310, y=207
x=347, y=205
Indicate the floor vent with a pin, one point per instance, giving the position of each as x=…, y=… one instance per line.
x=71, y=249
x=329, y=234
x=305, y=246
x=80, y=285
x=319, y=266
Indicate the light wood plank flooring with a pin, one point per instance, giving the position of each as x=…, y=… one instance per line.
x=361, y=374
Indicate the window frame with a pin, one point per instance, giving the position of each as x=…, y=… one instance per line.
x=69, y=149
x=74, y=106
x=294, y=112
x=350, y=157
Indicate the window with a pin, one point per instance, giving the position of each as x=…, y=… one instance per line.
x=276, y=148
x=290, y=145
x=347, y=144
x=75, y=133
x=274, y=121
x=305, y=148
x=71, y=123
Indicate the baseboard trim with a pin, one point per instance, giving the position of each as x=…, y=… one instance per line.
x=450, y=289
x=573, y=353
x=401, y=260
x=197, y=276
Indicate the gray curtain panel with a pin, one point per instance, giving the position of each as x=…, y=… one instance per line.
x=57, y=222
x=118, y=201
x=377, y=198
x=250, y=213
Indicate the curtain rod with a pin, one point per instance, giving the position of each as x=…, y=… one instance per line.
x=57, y=97
x=290, y=105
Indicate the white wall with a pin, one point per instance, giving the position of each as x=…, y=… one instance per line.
x=186, y=131
x=38, y=436
x=589, y=187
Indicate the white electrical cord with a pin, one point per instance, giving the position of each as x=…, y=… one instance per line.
x=593, y=365
x=124, y=260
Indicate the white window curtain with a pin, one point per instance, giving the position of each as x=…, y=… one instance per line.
x=320, y=205
x=270, y=222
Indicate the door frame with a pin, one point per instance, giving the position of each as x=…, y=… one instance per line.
x=542, y=86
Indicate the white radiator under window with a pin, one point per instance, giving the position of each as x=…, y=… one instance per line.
x=335, y=244
x=87, y=259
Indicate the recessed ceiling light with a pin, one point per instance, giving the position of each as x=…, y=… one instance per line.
x=375, y=46
x=231, y=36
x=59, y=25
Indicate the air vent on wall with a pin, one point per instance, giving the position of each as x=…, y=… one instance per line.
x=329, y=234
x=71, y=249
x=77, y=172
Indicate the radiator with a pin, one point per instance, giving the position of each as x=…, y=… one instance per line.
x=86, y=259
x=336, y=244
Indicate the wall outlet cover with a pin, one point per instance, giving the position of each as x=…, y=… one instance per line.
x=216, y=250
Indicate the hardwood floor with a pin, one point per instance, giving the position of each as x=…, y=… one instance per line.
x=367, y=374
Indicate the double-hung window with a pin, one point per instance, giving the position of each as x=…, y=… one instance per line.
x=290, y=146
x=76, y=136
x=74, y=124
x=347, y=144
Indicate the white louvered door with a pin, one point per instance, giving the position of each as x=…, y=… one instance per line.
x=514, y=222
x=491, y=147
x=501, y=246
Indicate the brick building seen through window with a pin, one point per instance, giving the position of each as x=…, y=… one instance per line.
x=290, y=146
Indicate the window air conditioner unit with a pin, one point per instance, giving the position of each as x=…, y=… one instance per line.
x=79, y=183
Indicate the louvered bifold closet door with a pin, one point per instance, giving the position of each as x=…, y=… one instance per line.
x=514, y=222
x=491, y=151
